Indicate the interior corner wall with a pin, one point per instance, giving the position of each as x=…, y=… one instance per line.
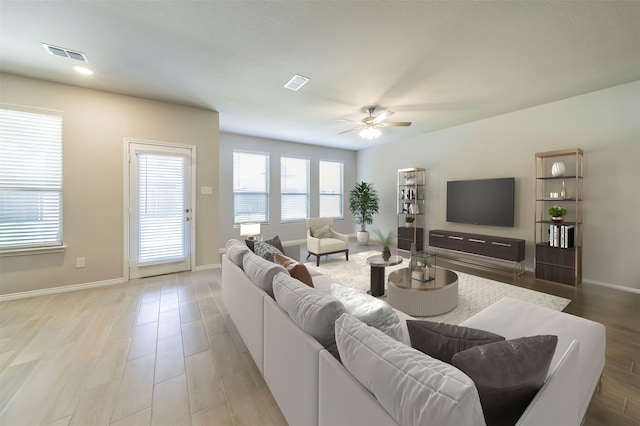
x=95, y=125
x=605, y=124
x=290, y=231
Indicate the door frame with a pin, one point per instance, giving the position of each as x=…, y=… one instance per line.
x=126, y=191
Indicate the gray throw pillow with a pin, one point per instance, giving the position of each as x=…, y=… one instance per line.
x=266, y=250
x=443, y=341
x=275, y=241
x=236, y=251
x=313, y=311
x=507, y=374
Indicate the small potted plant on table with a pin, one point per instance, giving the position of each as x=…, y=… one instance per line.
x=386, y=240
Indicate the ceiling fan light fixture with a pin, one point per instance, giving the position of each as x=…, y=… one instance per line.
x=370, y=133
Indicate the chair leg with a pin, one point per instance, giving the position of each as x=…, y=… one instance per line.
x=308, y=254
x=346, y=253
x=317, y=260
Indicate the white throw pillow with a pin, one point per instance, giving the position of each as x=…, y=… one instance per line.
x=322, y=232
x=412, y=387
x=313, y=311
x=374, y=312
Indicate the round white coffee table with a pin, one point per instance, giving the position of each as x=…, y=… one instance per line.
x=423, y=299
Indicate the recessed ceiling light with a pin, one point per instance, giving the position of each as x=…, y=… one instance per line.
x=296, y=82
x=83, y=70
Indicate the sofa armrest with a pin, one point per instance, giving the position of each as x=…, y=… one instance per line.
x=556, y=403
x=245, y=303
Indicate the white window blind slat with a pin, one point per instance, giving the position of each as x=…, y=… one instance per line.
x=30, y=177
x=331, y=189
x=161, y=194
x=294, y=189
x=250, y=187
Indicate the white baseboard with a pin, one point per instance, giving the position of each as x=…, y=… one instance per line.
x=205, y=267
x=62, y=289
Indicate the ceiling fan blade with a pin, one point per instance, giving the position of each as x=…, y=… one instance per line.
x=347, y=131
x=383, y=116
x=394, y=124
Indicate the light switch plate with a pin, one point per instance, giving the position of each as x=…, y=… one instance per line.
x=206, y=190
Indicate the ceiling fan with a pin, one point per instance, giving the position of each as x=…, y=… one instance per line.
x=370, y=124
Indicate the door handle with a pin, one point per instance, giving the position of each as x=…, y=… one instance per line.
x=187, y=210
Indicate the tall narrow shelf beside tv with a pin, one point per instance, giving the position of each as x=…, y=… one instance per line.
x=558, y=245
x=411, y=208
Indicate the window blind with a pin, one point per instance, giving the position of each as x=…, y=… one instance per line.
x=250, y=187
x=294, y=189
x=331, y=189
x=30, y=177
x=161, y=194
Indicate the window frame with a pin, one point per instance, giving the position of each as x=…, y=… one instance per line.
x=47, y=142
x=339, y=194
x=267, y=162
x=287, y=194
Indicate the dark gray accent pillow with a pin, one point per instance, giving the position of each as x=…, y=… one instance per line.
x=266, y=250
x=275, y=241
x=443, y=341
x=507, y=374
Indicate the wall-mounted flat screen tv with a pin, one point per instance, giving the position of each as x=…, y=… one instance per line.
x=481, y=201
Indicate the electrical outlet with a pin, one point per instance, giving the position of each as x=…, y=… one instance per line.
x=79, y=262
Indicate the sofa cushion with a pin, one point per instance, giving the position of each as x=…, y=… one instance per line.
x=374, y=312
x=235, y=251
x=443, y=341
x=275, y=241
x=412, y=387
x=266, y=250
x=321, y=232
x=313, y=311
x=296, y=269
x=261, y=271
x=507, y=374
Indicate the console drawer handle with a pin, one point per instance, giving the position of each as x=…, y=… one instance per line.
x=473, y=240
x=455, y=238
x=437, y=235
x=501, y=244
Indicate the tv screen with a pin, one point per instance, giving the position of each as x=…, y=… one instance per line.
x=481, y=201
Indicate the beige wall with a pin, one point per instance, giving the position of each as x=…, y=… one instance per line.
x=605, y=124
x=95, y=125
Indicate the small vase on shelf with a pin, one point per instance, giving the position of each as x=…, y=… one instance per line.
x=563, y=192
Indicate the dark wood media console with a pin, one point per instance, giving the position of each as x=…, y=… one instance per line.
x=509, y=249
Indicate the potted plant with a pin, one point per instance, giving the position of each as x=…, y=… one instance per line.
x=386, y=240
x=408, y=221
x=557, y=213
x=421, y=269
x=363, y=203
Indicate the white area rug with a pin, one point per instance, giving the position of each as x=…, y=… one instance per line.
x=474, y=293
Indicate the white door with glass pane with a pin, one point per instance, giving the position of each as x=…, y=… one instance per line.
x=160, y=212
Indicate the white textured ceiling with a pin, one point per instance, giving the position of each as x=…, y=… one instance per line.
x=437, y=64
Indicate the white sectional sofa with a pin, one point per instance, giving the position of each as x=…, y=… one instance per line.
x=312, y=387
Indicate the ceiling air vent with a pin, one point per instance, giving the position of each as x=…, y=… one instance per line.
x=65, y=53
x=296, y=82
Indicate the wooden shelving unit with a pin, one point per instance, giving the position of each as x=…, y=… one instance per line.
x=558, y=246
x=411, y=204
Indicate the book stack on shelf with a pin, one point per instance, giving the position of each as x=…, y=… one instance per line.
x=561, y=236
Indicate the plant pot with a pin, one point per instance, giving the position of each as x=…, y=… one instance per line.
x=408, y=224
x=386, y=254
x=363, y=238
x=557, y=219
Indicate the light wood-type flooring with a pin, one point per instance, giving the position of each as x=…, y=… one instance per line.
x=162, y=351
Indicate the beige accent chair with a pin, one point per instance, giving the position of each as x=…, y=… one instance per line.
x=333, y=242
